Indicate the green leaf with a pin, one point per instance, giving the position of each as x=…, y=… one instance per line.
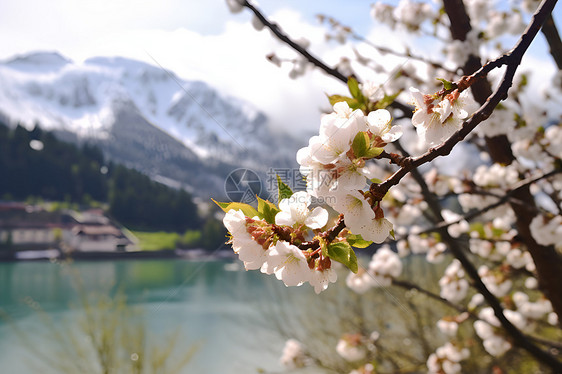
x=360, y=144
x=248, y=210
x=267, y=210
x=448, y=85
x=376, y=180
x=343, y=253
x=354, y=89
x=387, y=100
x=284, y=190
x=373, y=152
x=338, y=98
x=392, y=234
x=357, y=241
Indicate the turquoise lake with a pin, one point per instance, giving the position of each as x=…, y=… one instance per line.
x=213, y=305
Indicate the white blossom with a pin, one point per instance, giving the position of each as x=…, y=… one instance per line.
x=435, y=120
x=518, y=258
x=496, y=283
x=360, y=282
x=294, y=211
x=547, y=231
x=351, y=349
x=235, y=6
x=249, y=251
x=379, y=123
x=384, y=266
x=552, y=318
x=448, y=328
x=412, y=14
x=360, y=218
x=446, y=359
x=372, y=91
x=293, y=356
x=453, y=284
x=475, y=301
x=383, y=13
x=456, y=229
x=320, y=279
x=257, y=23
x=288, y=263
x=493, y=343
x=531, y=283
x=533, y=310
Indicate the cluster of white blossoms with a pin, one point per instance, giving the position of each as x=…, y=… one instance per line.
x=260, y=245
x=294, y=356
x=334, y=166
x=488, y=329
x=531, y=310
x=446, y=359
x=408, y=13
x=436, y=118
x=356, y=347
x=496, y=281
x=454, y=286
x=547, y=231
x=448, y=327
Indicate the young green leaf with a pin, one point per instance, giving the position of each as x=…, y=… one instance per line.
x=248, y=210
x=373, y=152
x=357, y=241
x=360, y=144
x=343, y=253
x=267, y=210
x=447, y=84
x=337, y=98
x=354, y=89
x=387, y=100
x=284, y=190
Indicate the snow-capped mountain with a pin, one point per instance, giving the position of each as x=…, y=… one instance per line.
x=143, y=116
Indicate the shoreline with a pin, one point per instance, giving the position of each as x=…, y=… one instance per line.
x=55, y=255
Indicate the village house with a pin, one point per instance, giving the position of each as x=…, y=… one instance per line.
x=25, y=227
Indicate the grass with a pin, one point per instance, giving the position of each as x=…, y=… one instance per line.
x=154, y=241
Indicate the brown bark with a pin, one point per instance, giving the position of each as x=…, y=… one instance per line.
x=552, y=36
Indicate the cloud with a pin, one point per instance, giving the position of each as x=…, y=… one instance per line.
x=234, y=63
x=229, y=55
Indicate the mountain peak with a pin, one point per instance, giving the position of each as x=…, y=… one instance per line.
x=133, y=107
x=38, y=60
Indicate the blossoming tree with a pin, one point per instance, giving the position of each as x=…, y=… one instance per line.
x=499, y=225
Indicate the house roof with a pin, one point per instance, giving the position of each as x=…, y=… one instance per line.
x=96, y=230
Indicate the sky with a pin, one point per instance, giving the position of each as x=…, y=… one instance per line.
x=197, y=40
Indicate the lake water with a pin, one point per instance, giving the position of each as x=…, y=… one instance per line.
x=210, y=304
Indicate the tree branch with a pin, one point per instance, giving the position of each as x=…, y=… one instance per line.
x=501, y=200
x=552, y=36
x=276, y=30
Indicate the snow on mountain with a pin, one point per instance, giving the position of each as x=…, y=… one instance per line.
x=93, y=99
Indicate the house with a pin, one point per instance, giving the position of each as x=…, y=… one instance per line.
x=25, y=227
x=94, y=232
